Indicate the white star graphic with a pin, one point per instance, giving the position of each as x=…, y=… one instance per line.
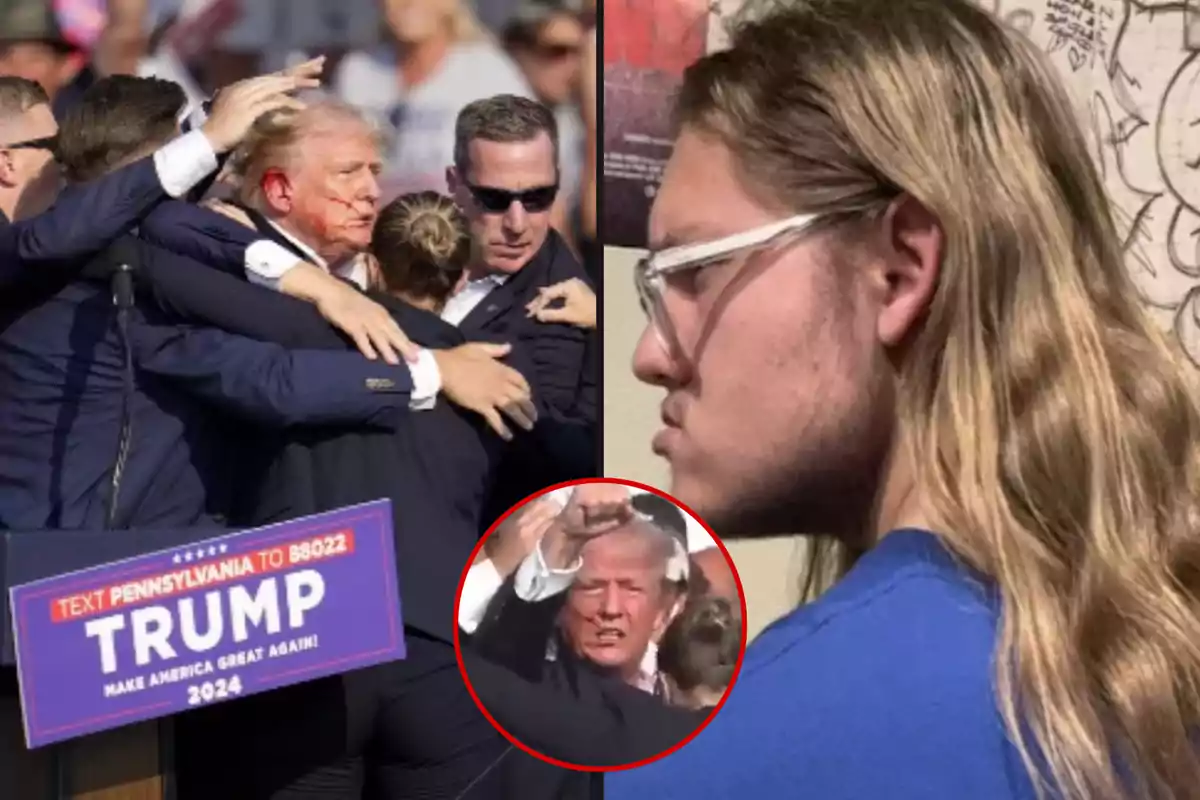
x=212, y=551
x=176, y=559
x=187, y=556
x=200, y=554
x=222, y=548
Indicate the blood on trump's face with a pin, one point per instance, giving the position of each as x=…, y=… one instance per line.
x=329, y=191
x=618, y=603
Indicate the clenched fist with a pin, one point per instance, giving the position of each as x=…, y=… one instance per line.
x=595, y=509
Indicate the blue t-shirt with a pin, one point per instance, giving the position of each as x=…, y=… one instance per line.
x=880, y=690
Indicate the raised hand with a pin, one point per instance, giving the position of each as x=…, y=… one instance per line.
x=374, y=331
x=516, y=537
x=237, y=106
x=596, y=509
x=578, y=304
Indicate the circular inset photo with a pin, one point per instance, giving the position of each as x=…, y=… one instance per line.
x=600, y=625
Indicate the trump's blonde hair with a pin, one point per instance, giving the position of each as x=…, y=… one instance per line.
x=277, y=138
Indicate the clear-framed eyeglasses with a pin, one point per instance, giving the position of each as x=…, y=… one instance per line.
x=651, y=273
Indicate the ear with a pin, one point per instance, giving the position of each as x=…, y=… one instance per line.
x=8, y=169
x=913, y=246
x=453, y=180
x=277, y=191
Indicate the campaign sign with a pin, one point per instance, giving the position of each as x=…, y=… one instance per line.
x=219, y=619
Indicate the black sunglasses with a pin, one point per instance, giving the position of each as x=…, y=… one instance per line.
x=46, y=143
x=555, y=51
x=497, y=201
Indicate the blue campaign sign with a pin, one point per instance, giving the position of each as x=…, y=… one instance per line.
x=234, y=615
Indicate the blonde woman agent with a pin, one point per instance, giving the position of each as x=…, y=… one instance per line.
x=882, y=216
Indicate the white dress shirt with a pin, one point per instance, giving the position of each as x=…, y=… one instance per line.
x=464, y=302
x=184, y=162
x=482, y=583
x=536, y=581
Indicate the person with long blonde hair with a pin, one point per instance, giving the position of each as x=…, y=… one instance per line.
x=888, y=305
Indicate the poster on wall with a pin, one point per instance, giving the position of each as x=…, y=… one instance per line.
x=647, y=46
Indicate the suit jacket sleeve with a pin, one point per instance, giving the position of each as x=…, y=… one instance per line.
x=571, y=446
x=564, y=357
x=585, y=403
x=268, y=383
x=514, y=632
x=83, y=221
x=200, y=234
x=189, y=292
x=569, y=440
x=629, y=725
x=557, y=354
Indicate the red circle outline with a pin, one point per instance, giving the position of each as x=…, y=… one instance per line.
x=462, y=581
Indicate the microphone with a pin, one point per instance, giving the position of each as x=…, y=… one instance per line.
x=119, y=259
x=123, y=254
x=122, y=286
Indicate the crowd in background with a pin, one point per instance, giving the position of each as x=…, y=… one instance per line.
x=411, y=64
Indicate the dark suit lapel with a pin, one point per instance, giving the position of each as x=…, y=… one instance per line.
x=269, y=231
x=503, y=299
x=498, y=302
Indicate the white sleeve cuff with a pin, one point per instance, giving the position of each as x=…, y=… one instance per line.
x=193, y=116
x=427, y=382
x=535, y=581
x=184, y=162
x=482, y=583
x=267, y=261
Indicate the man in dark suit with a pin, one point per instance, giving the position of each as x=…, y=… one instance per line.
x=450, y=470
x=506, y=177
x=573, y=692
x=330, y=736
x=605, y=578
x=406, y=729
x=436, y=468
x=618, y=725
x=86, y=216
x=68, y=366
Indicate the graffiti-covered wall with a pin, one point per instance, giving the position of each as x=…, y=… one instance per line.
x=1133, y=66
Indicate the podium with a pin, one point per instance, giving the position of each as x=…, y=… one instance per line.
x=130, y=763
